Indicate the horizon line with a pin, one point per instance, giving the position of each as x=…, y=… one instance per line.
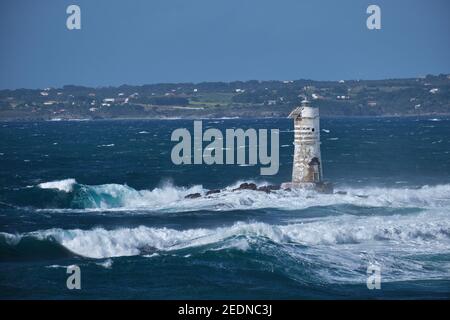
x=224, y=81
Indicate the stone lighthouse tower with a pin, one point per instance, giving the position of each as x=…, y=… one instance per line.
x=307, y=169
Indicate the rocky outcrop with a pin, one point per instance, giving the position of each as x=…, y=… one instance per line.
x=246, y=186
x=213, y=191
x=321, y=187
x=242, y=186
x=269, y=188
x=193, y=196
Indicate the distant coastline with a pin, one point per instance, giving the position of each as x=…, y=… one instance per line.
x=427, y=96
x=422, y=116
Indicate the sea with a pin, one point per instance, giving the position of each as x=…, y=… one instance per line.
x=106, y=197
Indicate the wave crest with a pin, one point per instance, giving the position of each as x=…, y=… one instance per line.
x=429, y=231
x=172, y=199
x=65, y=185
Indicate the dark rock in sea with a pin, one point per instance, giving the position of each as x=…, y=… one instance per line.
x=243, y=186
x=341, y=192
x=193, y=196
x=269, y=188
x=213, y=191
x=324, y=187
x=246, y=186
x=265, y=189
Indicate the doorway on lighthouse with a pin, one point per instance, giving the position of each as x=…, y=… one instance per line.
x=314, y=166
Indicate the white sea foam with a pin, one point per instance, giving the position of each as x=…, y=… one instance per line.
x=65, y=185
x=169, y=198
x=55, y=266
x=151, y=255
x=107, y=264
x=337, y=248
x=106, y=145
x=425, y=232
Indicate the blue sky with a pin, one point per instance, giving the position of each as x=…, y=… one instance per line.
x=152, y=41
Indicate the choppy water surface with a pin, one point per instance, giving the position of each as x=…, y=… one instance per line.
x=105, y=196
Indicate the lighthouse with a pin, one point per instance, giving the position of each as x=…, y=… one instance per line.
x=307, y=168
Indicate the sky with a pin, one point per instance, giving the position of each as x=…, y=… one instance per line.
x=139, y=42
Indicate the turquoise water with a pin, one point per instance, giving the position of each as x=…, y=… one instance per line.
x=105, y=196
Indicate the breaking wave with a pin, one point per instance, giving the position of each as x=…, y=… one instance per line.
x=427, y=231
x=65, y=185
x=68, y=194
